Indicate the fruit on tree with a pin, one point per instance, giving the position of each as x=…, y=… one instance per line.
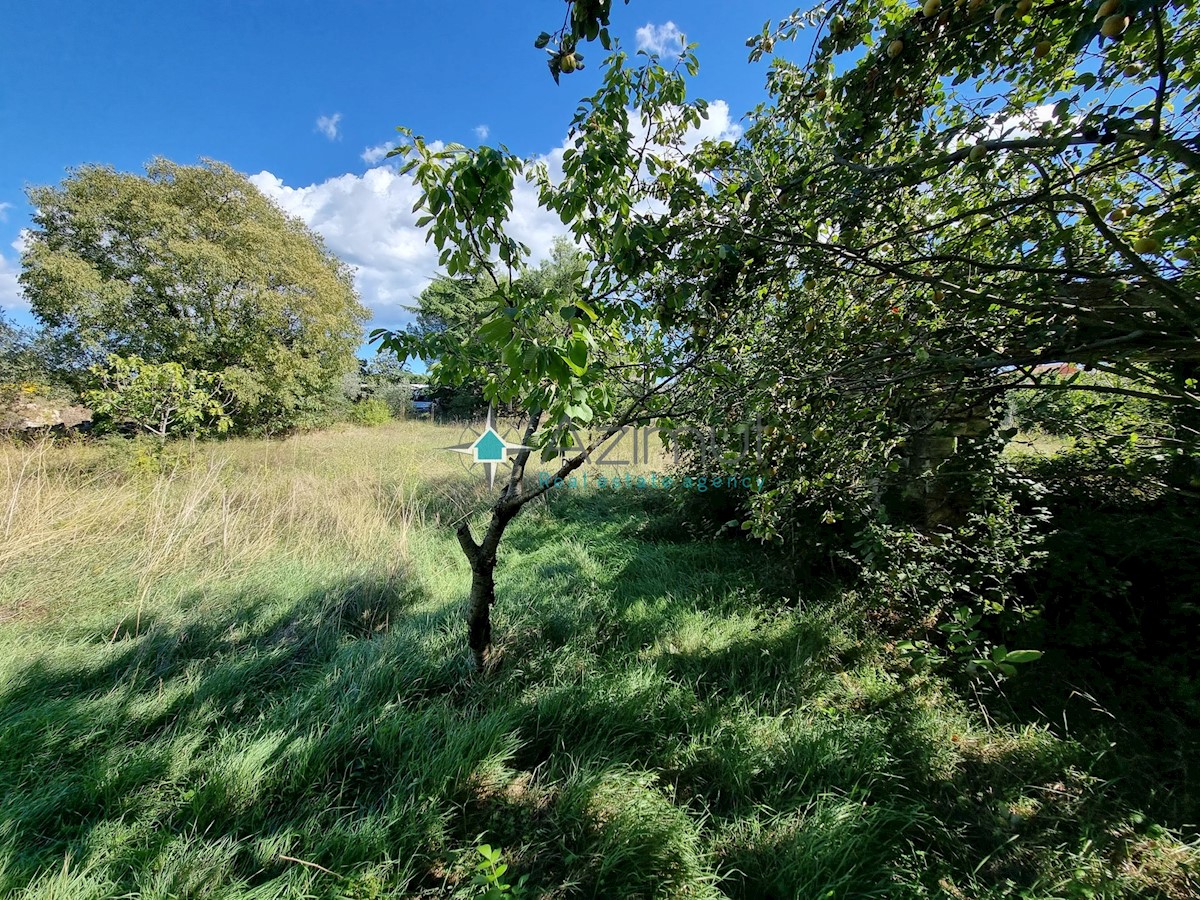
x=1147, y=245
x=1042, y=49
x=931, y=7
x=1024, y=6
x=1107, y=8
x=568, y=63
x=1114, y=26
x=895, y=48
x=978, y=152
x=1002, y=13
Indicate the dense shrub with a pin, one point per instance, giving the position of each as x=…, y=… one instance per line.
x=372, y=411
x=397, y=397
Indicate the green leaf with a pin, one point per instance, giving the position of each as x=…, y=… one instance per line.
x=1018, y=657
x=495, y=331
x=580, y=411
x=576, y=357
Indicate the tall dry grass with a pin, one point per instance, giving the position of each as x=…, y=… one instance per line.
x=72, y=515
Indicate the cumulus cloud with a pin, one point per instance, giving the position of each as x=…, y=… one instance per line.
x=661, y=40
x=377, y=153
x=328, y=125
x=482, y=131
x=4, y=208
x=367, y=220
x=719, y=126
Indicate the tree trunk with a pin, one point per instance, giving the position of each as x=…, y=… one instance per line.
x=482, y=557
x=947, y=448
x=482, y=554
x=479, y=608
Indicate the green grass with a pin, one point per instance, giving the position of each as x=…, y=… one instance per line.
x=244, y=676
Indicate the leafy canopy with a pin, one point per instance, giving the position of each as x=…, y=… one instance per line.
x=193, y=265
x=164, y=399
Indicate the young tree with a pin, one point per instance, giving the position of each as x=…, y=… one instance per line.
x=161, y=399
x=572, y=344
x=193, y=265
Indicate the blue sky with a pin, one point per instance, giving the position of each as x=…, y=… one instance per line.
x=301, y=95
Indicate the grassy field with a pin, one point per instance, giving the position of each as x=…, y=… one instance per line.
x=239, y=671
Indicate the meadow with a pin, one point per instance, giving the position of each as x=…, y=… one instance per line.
x=237, y=669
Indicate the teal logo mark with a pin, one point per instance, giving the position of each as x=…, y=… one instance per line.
x=489, y=449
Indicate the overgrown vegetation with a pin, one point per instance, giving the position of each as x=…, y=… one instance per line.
x=192, y=266
x=934, y=310
x=210, y=687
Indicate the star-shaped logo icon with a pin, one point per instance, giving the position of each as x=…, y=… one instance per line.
x=489, y=449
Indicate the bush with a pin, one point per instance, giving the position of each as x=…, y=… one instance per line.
x=146, y=455
x=398, y=398
x=161, y=399
x=960, y=591
x=372, y=411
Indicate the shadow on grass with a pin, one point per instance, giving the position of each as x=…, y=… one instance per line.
x=268, y=722
x=1120, y=593
x=669, y=718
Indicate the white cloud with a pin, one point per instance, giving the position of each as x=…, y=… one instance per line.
x=661, y=40
x=4, y=208
x=377, y=153
x=719, y=126
x=1021, y=125
x=11, y=296
x=367, y=220
x=328, y=125
x=482, y=132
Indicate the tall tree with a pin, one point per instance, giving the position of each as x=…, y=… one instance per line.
x=1005, y=184
x=194, y=265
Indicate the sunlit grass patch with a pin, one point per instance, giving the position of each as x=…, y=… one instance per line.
x=243, y=675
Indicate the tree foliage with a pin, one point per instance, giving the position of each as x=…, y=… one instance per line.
x=572, y=344
x=931, y=208
x=193, y=265
x=163, y=399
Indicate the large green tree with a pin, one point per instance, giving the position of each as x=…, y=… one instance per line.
x=933, y=205
x=1001, y=185
x=194, y=265
x=937, y=206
